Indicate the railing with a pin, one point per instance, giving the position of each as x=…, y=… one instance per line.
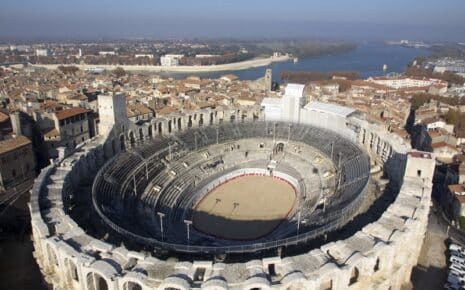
x=337, y=220
x=331, y=220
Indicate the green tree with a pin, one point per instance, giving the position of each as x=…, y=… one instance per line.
x=68, y=69
x=119, y=72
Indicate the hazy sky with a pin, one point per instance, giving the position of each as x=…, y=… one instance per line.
x=343, y=19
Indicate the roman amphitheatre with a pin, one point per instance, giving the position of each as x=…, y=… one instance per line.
x=226, y=199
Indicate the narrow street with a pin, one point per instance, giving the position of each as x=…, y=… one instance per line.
x=18, y=268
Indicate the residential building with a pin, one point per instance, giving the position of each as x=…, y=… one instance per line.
x=17, y=162
x=170, y=59
x=71, y=127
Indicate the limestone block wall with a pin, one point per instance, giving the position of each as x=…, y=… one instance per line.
x=380, y=256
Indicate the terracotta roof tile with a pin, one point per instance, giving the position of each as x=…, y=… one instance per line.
x=61, y=115
x=12, y=144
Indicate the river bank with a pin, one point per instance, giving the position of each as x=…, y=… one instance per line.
x=247, y=64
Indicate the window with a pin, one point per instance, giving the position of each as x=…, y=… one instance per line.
x=419, y=173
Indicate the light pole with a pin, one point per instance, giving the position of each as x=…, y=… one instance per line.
x=146, y=170
x=274, y=133
x=188, y=223
x=161, y=215
x=289, y=134
x=135, y=185
x=332, y=150
x=195, y=140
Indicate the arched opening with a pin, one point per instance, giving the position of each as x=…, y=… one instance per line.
x=132, y=139
x=150, y=131
x=354, y=276
x=201, y=120
x=189, y=122
x=141, y=134
x=278, y=148
x=131, y=286
x=169, y=126
x=160, y=129
x=52, y=256
x=376, y=267
x=72, y=270
x=121, y=143
x=96, y=282
x=211, y=118
x=179, y=124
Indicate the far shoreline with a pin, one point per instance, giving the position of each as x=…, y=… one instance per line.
x=242, y=65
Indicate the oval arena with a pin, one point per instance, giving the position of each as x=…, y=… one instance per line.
x=154, y=188
x=234, y=203
x=246, y=206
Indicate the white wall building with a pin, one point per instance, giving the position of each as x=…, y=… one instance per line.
x=103, y=53
x=286, y=108
x=170, y=59
x=41, y=52
x=406, y=82
x=143, y=55
x=291, y=108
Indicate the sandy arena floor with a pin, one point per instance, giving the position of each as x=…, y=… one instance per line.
x=244, y=208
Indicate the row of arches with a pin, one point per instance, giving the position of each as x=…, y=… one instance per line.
x=138, y=134
x=93, y=280
x=372, y=141
x=96, y=281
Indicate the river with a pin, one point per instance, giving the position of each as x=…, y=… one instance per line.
x=368, y=59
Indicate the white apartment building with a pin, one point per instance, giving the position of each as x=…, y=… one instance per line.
x=41, y=52
x=406, y=82
x=170, y=59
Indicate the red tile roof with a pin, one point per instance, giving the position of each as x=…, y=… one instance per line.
x=61, y=115
x=12, y=144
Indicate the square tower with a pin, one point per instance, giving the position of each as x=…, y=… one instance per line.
x=268, y=80
x=112, y=114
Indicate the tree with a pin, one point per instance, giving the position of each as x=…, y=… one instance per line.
x=68, y=69
x=119, y=72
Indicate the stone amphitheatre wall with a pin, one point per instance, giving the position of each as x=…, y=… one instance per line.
x=379, y=256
